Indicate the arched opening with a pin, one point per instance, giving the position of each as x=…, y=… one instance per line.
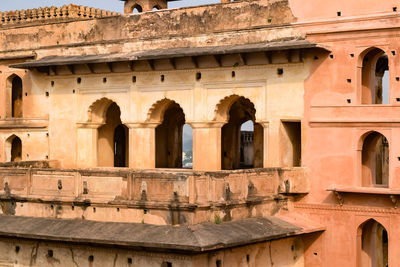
x=13, y=147
x=375, y=77
x=375, y=160
x=187, y=147
x=113, y=139
x=156, y=7
x=137, y=9
x=169, y=135
x=14, y=94
x=242, y=138
x=374, y=245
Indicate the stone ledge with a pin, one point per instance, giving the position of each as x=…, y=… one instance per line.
x=190, y=239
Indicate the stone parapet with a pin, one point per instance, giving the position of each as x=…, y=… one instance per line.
x=193, y=194
x=52, y=13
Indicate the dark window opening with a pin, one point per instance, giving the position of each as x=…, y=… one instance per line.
x=375, y=78
x=16, y=98
x=166, y=264
x=16, y=149
x=374, y=244
x=120, y=146
x=169, y=138
x=375, y=160
x=137, y=9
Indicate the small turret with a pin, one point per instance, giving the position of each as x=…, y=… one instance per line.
x=145, y=5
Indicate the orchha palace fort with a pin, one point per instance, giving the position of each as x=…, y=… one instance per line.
x=244, y=133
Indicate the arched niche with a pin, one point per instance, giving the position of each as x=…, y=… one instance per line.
x=13, y=148
x=14, y=96
x=373, y=244
x=374, y=159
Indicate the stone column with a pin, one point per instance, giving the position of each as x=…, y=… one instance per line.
x=142, y=145
x=207, y=146
x=86, y=146
x=266, y=158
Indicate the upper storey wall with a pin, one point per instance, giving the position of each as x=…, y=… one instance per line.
x=171, y=24
x=309, y=10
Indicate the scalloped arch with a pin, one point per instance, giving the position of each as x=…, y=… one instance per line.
x=157, y=110
x=98, y=109
x=221, y=112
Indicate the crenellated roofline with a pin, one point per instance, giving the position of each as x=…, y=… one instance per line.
x=51, y=13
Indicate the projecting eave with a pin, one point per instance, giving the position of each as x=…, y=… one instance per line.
x=189, y=239
x=160, y=54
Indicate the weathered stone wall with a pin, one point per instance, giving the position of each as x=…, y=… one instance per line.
x=156, y=197
x=164, y=24
x=285, y=252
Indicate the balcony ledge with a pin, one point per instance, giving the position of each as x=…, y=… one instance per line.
x=341, y=191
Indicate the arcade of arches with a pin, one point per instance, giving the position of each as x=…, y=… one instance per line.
x=161, y=138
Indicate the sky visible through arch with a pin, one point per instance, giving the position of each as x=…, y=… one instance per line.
x=112, y=5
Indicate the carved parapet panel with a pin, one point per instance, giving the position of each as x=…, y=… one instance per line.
x=294, y=181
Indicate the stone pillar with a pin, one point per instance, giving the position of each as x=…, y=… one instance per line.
x=86, y=146
x=207, y=146
x=142, y=145
x=266, y=158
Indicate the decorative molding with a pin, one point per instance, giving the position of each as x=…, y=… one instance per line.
x=328, y=207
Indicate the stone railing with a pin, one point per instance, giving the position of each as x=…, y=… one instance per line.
x=51, y=13
x=125, y=186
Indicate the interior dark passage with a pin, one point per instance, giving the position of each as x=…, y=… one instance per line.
x=169, y=138
x=16, y=149
x=121, y=146
x=16, y=97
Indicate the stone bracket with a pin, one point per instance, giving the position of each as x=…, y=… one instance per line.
x=340, y=197
x=394, y=199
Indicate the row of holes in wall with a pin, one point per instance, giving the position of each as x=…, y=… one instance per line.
x=339, y=13
x=50, y=254
x=331, y=56
x=279, y=71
